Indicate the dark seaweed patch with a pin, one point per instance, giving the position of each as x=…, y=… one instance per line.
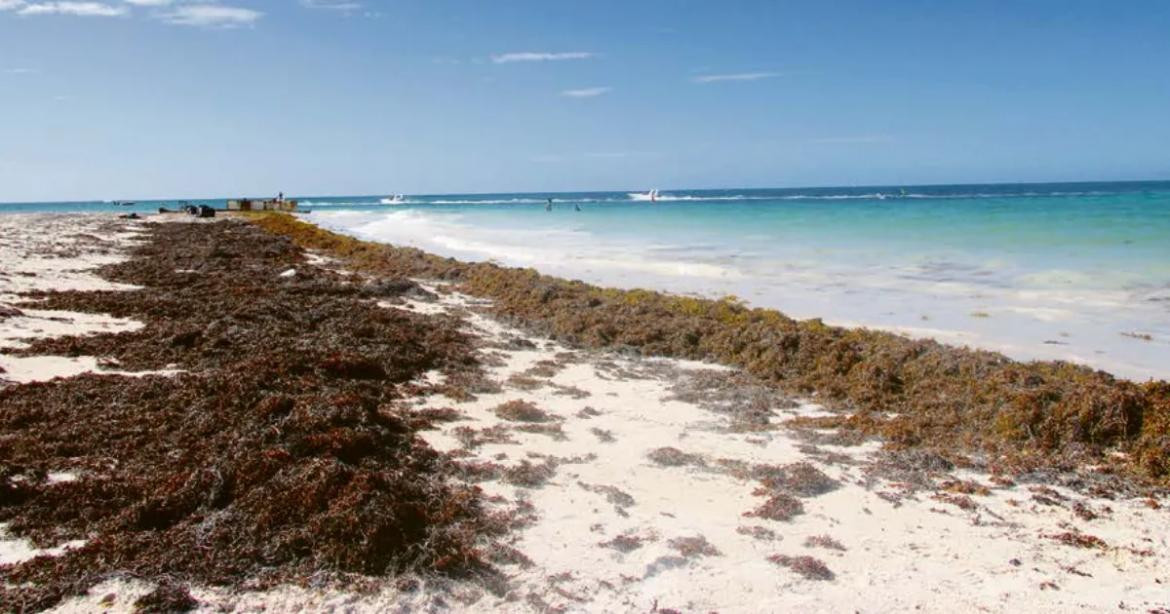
x=806, y=566
x=673, y=457
x=278, y=455
x=779, y=506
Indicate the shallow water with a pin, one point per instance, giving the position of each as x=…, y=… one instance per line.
x=1055, y=271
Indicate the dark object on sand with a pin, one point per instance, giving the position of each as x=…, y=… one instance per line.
x=195, y=210
x=129, y=216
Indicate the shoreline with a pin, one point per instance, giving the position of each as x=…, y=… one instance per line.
x=911, y=391
x=1095, y=301
x=632, y=482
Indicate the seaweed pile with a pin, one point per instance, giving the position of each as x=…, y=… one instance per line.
x=914, y=393
x=278, y=454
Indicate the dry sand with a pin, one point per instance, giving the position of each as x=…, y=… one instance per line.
x=55, y=252
x=634, y=476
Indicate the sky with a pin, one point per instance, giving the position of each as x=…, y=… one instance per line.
x=139, y=99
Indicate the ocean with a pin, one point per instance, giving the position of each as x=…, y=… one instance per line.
x=1077, y=272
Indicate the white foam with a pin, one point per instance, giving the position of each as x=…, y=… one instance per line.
x=575, y=250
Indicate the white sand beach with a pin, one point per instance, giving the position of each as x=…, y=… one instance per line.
x=639, y=485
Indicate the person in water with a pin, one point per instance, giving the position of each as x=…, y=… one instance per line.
x=548, y=207
x=576, y=207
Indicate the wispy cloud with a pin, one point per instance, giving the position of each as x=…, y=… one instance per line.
x=332, y=5
x=202, y=13
x=862, y=139
x=541, y=56
x=587, y=92
x=743, y=76
x=20, y=71
x=77, y=9
x=211, y=16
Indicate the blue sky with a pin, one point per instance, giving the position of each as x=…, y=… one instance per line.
x=158, y=98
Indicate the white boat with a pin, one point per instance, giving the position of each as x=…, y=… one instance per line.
x=397, y=199
x=651, y=196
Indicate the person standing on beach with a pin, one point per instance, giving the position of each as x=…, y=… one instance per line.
x=548, y=207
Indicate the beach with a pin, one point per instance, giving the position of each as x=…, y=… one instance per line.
x=552, y=449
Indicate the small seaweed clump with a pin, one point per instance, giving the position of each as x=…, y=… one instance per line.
x=801, y=479
x=277, y=454
x=806, y=566
x=522, y=411
x=624, y=543
x=824, y=541
x=691, y=547
x=779, y=506
x=530, y=475
x=673, y=457
x=757, y=532
x=1079, y=540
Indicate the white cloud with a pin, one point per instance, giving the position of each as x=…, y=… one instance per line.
x=743, y=76
x=20, y=71
x=79, y=9
x=587, y=92
x=335, y=5
x=211, y=16
x=541, y=56
x=200, y=13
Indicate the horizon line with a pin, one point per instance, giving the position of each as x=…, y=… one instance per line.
x=625, y=190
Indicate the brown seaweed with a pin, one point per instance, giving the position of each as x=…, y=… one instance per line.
x=279, y=453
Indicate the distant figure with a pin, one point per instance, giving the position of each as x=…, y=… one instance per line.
x=576, y=207
x=548, y=207
x=280, y=197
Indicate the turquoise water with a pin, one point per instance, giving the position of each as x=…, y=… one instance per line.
x=1118, y=234
x=1071, y=271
